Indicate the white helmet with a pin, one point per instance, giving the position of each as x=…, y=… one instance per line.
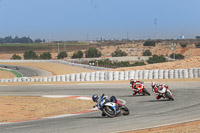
x=153, y=84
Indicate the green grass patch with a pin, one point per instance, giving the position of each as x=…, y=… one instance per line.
x=14, y=72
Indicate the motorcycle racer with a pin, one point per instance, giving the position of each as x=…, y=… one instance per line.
x=97, y=100
x=157, y=87
x=136, y=86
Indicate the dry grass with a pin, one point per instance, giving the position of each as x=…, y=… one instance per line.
x=6, y=75
x=16, y=108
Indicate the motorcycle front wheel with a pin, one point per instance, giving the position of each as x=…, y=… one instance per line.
x=169, y=96
x=109, y=111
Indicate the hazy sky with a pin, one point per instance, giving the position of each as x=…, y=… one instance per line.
x=93, y=19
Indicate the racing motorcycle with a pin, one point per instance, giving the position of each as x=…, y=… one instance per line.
x=111, y=109
x=140, y=88
x=166, y=93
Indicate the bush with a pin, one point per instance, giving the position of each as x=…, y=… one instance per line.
x=177, y=56
x=147, y=53
x=183, y=45
x=197, y=45
x=139, y=64
x=118, y=53
x=16, y=57
x=156, y=59
x=92, y=52
x=78, y=54
x=62, y=55
x=45, y=56
x=30, y=55
x=149, y=43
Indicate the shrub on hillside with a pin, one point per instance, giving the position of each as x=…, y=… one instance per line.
x=78, y=54
x=16, y=57
x=149, y=43
x=92, y=52
x=197, y=45
x=147, y=53
x=118, y=53
x=62, y=55
x=45, y=56
x=177, y=56
x=156, y=59
x=30, y=55
x=183, y=45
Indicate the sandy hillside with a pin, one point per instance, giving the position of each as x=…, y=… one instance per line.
x=54, y=68
x=191, y=62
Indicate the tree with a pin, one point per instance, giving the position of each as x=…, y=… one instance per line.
x=149, y=43
x=62, y=55
x=30, y=55
x=118, y=53
x=46, y=55
x=92, y=52
x=156, y=59
x=78, y=54
x=16, y=57
x=147, y=53
x=177, y=56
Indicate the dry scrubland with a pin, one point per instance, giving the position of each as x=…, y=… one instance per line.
x=190, y=62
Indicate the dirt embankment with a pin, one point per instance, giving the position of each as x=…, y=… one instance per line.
x=17, y=108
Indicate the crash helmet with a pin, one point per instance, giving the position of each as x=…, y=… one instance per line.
x=153, y=84
x=131, y=80
x=95, y=97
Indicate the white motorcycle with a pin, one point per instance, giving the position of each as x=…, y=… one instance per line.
x=166, y=93
x=112, y=109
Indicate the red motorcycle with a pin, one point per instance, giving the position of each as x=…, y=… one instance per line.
x=139, y=88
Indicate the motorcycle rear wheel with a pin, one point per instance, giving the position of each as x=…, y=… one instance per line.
x=125, y=110
x=146, y=92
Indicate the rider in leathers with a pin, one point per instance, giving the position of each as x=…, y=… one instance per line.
x=157, y=87
x=97, y=99
x=136, y=86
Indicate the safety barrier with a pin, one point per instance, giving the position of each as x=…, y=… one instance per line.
x=114, y=75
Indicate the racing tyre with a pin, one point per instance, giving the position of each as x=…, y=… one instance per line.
x=125, y=110
x=109, y=111
x=146, y=92
x=169, y=96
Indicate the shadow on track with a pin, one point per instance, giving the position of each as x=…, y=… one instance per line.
x=132, y=96
x=162, y=100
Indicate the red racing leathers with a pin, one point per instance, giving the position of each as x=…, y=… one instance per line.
x=137, y=87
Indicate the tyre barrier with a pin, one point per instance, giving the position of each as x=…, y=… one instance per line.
x=114, y=75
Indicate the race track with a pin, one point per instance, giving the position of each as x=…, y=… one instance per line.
x=28, y=71
x=145, y=111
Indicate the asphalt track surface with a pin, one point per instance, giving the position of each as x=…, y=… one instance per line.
x=145, y=111
x=28, y=71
